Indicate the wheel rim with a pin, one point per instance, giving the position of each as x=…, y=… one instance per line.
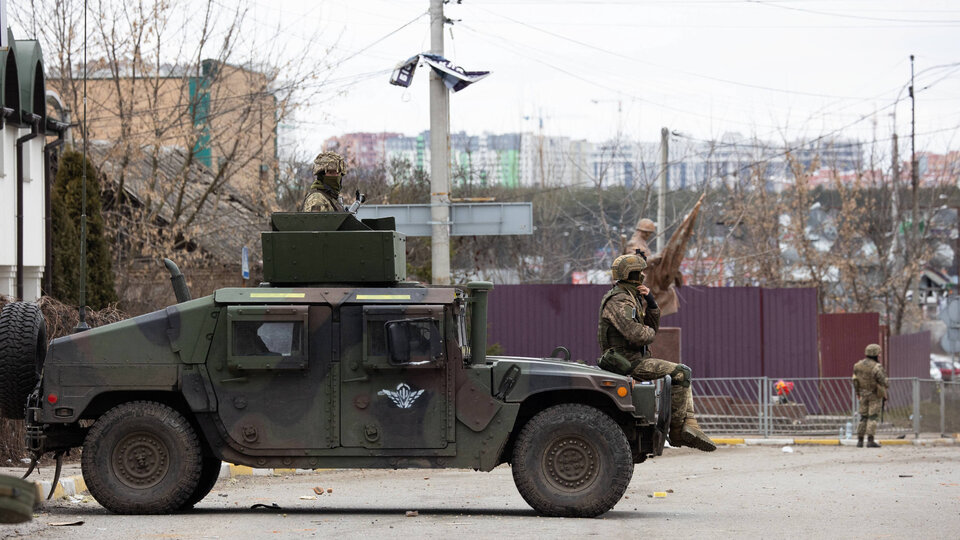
x=141, y=460
x=570, y=463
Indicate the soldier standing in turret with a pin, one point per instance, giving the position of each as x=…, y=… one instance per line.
x=643, y=233
x=629, y=320
x=324, y=196
x=871, y=385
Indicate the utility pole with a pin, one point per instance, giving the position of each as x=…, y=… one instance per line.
x=662, y=195
x=439, y=156
x=914, y=169
x=895, y=181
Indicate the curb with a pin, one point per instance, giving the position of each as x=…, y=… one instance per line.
x=229, y=470
x=832, y=442
x=66, y=487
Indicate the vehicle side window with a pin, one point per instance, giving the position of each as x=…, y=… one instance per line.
x=267, y=337
x=403, y=336
x=413, y=341
x=252, y=338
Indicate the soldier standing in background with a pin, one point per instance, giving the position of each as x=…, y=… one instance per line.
x=643, y=233
x=871, y=385
x=324, y=196
x=629, y=320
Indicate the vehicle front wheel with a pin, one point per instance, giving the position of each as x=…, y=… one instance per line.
x=142, y=458
x=572, y=460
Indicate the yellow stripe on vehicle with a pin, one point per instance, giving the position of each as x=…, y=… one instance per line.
x=383, y=297
x=277, y=295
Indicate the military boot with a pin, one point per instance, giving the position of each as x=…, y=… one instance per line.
x=860, y=441
x=691, y=436
x=872, y=443
x=675, y=436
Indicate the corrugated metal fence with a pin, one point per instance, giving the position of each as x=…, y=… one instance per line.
x=725, y=331
x=530, y=320
x=843, y=337
x=909, y=355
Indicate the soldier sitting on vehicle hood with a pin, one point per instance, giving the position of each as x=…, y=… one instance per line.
x=329, y=170
x=629, y=320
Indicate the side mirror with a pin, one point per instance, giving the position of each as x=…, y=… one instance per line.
x=413, y=341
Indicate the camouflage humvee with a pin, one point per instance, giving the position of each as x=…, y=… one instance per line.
x=334, y=362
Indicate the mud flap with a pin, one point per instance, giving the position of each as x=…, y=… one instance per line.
x=664, y=409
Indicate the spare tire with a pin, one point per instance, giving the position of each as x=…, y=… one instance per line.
x=23, y=347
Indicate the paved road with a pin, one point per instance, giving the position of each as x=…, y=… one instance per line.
x=753, y=492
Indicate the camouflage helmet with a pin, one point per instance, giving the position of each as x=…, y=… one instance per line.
x=646, y=225
x=624, y=265
x=872, y=350
x=329, y=168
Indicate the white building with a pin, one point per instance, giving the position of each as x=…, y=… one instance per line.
x=23, y=185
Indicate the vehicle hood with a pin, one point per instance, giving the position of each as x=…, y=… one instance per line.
x=537, y=375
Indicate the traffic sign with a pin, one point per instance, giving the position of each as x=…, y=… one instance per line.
x=245, y=262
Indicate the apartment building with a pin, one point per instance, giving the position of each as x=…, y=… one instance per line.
x=364, y=150
x=223, y=116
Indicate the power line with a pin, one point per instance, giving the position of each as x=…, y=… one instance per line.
x=690, y=73
x=779, y=5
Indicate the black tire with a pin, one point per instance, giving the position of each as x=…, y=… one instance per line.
x=596, y=465
x=209, y=475
x=142, y=457
x=23, y=348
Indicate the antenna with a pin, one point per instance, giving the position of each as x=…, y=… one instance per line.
x=82, y=324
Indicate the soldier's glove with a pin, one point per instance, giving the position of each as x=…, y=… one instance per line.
x=651, y=301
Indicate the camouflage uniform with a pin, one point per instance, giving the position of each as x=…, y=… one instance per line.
x=324, y=196
x=871, y=385
x=628, y=325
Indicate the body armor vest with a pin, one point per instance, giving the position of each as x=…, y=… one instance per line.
x=607, y=334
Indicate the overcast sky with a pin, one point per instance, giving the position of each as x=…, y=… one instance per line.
x=587, y=68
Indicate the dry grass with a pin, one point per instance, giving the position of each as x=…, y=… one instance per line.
x=61, y=320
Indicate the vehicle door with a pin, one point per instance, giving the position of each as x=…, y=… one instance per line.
x=273, y=378
x=398, y=400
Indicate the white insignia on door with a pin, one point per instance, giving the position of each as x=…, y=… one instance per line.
x=403, y=397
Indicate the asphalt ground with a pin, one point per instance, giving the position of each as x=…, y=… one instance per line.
x=756, y=491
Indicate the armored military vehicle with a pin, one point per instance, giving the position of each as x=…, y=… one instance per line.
x=335, y=361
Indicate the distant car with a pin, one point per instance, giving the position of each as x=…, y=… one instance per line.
x=935, y=371
x=946, y=368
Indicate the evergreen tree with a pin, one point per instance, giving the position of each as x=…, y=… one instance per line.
x=65, y=200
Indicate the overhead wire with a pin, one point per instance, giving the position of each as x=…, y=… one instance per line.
x=948, y=22
x=654, y=64
x=593, y=82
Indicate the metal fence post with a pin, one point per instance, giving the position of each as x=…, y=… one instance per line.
x=855, y=406
x=762, y=406
x=916, y=408
x=767, y=398
x=768, y=407
x=943, y=409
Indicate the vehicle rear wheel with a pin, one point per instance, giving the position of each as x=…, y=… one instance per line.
x=209, y=475
x=142, y=458
x=23, y=347
x=572, y=460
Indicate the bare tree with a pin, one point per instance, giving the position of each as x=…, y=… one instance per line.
x=201, y=81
